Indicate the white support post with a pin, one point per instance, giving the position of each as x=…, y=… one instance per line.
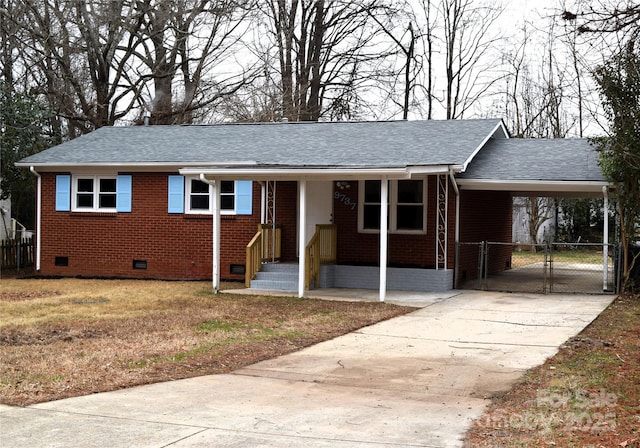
x=216, y=235
x=605, y=241
x=263, y=202
x=302, y=243
x=384, y=228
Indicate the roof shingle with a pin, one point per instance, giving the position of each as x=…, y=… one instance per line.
x=329, y=144
x=536, y=160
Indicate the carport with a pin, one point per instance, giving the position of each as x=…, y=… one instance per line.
x=557, y=168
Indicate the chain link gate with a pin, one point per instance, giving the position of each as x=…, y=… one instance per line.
x=541, y=268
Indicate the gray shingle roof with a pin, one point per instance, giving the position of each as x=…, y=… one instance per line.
x=536, y=160
x=334, y=144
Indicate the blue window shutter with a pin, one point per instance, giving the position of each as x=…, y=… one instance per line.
x=176, y=194
x=63, y=193
x=123, y=193
x=244, y=190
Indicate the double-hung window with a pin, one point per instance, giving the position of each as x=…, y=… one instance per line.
x=200, y=197
x=94, y=193
x=191, y=195
x=406, y=202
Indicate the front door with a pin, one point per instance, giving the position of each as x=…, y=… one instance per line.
x=319, y=206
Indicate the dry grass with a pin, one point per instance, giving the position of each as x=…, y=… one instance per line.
x=70, y=337
x=588, y=395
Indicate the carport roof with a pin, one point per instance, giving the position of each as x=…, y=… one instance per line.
x=535, y=165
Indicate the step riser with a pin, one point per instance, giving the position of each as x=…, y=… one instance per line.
x=276, y=277
x=274, y=285
x=276, y=267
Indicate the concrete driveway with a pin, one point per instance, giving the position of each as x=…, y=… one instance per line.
x=415, y=380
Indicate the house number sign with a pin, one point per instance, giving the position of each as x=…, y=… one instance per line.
x=346, y=200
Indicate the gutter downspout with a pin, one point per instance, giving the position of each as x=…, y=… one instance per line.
x=457, y=230
x=38, y=215
x=605, y=241
x=215, y=262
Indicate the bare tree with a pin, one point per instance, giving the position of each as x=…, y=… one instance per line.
x=98, y=63
x=539, y=211
x=469, y=36
x=326, y=52
x=427, y=34
x=72, y=53
x=185, y=42
x=406, y=44
x=8, y=40
x=605, y=18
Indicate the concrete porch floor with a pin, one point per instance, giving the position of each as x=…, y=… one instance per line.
x=418, y=299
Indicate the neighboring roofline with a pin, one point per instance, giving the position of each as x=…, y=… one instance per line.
x=542, y=186
x=500, y=125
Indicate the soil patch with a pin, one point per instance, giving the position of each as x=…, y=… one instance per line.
x=25, y=295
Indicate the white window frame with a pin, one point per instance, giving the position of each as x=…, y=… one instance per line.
x=96, y=193
x=209, y=210
x=393, y=209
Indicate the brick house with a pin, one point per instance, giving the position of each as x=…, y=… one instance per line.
x=334, y=200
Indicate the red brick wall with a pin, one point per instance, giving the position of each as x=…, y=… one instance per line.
x=404, y=250
x=484, y=216
x=178, y=246
x=175, y=246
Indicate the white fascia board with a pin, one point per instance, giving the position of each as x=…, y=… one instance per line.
x=499, y=127
x=532, y=186
x=239, y=173
x=248, y=170
x=433, y=169
x=124, y=166
x=343, y=173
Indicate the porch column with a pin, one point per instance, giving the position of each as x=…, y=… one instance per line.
x=605, y=241
x=384, y=199
x=302, y=243
x=216, y=235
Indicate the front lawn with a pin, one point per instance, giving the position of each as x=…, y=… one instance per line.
x=70, y=337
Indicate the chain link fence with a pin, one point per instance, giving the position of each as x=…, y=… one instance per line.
x=542, y=268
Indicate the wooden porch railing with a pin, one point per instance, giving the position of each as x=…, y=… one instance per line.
x=254, y=258
x=320, y=250
x=271, y=242
x=263, y=247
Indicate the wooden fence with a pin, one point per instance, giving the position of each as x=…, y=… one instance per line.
x=17, y=254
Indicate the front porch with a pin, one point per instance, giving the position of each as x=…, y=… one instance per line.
x=338, y=252
x=388, y=229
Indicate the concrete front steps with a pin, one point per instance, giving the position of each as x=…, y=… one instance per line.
x=276, y=277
